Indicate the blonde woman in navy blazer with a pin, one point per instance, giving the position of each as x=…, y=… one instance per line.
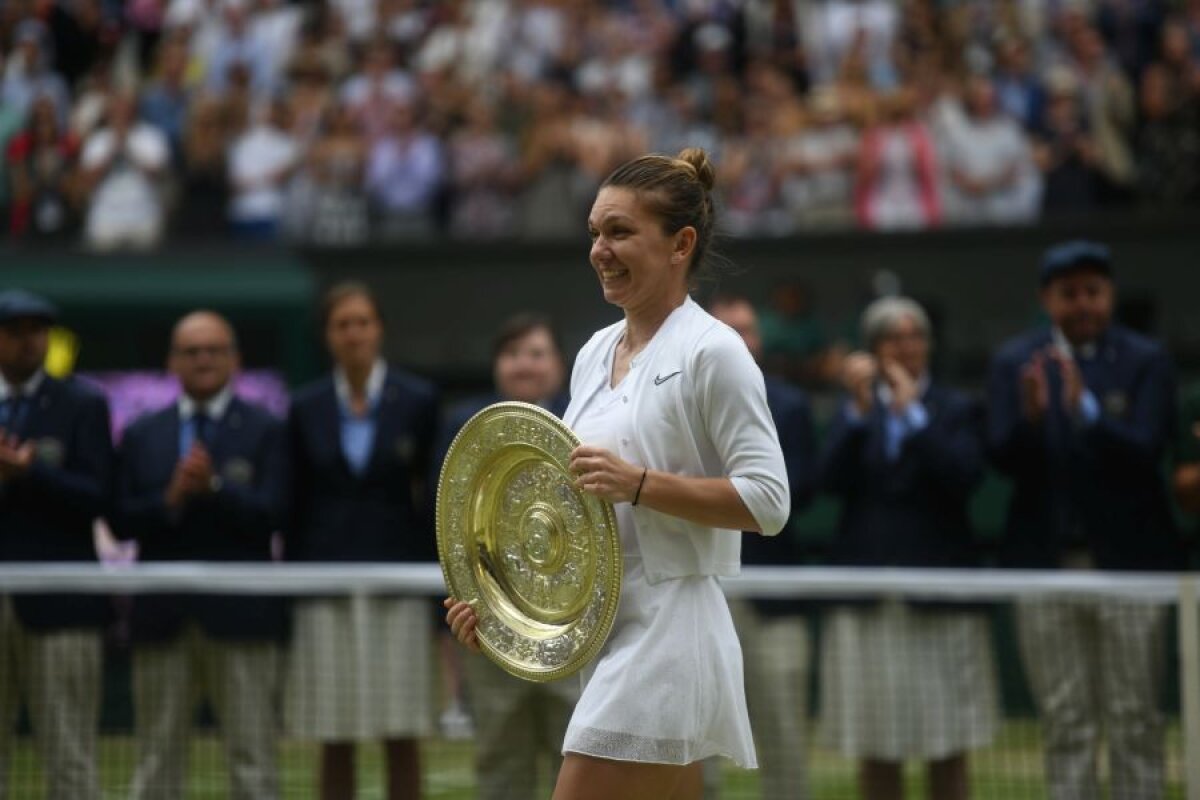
x=359, y=443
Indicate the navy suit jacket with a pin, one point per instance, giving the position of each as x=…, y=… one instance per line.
x=47, y=514
x=911, y=512
x=232, y=524
x=792, y=414
x=1097, y=486
x=381, y=515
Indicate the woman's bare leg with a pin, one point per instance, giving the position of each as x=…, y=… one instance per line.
x=881, y=780
x=337, y=770
x=403, y=769
x=948, y=778
x=588, y=778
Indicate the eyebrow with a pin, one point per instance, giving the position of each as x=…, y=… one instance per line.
x=611, y=216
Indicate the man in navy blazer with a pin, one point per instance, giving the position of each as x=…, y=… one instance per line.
x=517, y=723
x=774, y=633
x=55, y=474
x=204, y=480
x=1080, y=416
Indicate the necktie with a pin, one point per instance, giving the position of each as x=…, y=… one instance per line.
x=202, y=425
x=11, y=412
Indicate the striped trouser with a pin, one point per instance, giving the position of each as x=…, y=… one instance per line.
x=241, y=683
x=1097, y=665
x=57, y=674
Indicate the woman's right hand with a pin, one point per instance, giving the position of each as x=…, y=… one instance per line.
x=462, y=621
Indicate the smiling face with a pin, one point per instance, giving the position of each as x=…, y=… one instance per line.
x=639, y=264
x=1080, y=304
x=203, y=354
x=529, y=368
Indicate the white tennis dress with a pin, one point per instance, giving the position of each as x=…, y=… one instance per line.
x=667, y=686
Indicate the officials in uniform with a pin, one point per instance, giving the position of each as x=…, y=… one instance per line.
x=773, y=632
x=56, y=466
x=904, y=454
x=1080, y=416
x=359, y=444
x=204, y=479
x=519, y=725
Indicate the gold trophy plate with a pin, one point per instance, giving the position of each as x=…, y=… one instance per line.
x=539, y=560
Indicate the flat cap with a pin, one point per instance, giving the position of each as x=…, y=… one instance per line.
x=1063, y=258
x=19, y=304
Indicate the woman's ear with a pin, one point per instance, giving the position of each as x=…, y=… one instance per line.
x=685, y=243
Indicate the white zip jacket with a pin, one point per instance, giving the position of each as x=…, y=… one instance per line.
x=699, y=409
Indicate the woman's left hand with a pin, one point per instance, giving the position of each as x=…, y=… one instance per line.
x=604, y=474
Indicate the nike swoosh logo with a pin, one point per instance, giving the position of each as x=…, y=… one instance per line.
x=660, y=380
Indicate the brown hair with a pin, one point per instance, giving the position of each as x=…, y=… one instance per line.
x=340, y=292
x=518, y=327
x=678, y=190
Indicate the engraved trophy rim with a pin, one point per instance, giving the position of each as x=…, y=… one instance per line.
x=542, y=568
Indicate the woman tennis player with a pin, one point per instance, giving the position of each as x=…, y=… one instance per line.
x=677, y=435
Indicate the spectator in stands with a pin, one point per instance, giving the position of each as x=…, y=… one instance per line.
x=750, y=172
x=204, y=479
x=990, y=174
x=405, y=172
x=326, y=201
x=897, y=186
x=375, y=90
x=56, y=469
x=11, y=124
x=261, y=162
x=121, y=168
x=237, y=46
x=360, y=442
x=835, y=30
x=819, y=165
x=904, y=454
x=1109, y=100
x=41, y=163
x=164, y=103
x=1019, y=90
x=203, y=209
x=1168, y=144
x=518, y=724
x=773, y=633
x=482, y=174
x=29, y=72
x=1065, y=150
x=1079, y=417
x=81, y=34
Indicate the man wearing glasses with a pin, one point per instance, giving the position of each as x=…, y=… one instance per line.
x=203, y=480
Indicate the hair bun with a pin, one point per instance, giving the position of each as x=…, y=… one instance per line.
x=697, y=159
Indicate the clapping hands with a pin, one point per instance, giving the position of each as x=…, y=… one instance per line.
x=15, y=456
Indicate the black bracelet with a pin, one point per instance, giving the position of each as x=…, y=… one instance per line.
x=641, y=483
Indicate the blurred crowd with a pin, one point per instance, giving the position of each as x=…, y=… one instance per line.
x=346, y=121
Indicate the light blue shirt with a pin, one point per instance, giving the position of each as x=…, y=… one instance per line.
x=1089, y=407
x=358, y=432
x=898, y=426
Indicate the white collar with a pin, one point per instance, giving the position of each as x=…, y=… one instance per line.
x=214, y=408
x=1086, y=351
x=374, y=384
x=27, y=389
